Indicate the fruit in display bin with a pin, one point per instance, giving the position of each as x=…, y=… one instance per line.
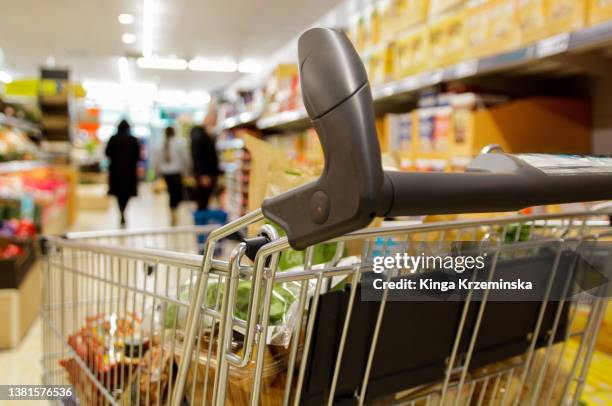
x=18, y=228
x=11, y=251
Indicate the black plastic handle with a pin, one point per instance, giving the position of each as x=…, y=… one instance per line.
x=353, y=189
x=338, y=101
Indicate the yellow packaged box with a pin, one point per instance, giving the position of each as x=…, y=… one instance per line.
x=437, y=7
x=447, y=40
x=565, y=15
x=532, y=20
x=476, y=30
x=542, y=124
x=599, y=11
x=381, y=65
x=411, y=53
x=408, y=13
x=437, y=44
x=504, y=32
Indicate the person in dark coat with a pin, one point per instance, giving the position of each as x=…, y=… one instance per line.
x=205, y=165
x=123, y=151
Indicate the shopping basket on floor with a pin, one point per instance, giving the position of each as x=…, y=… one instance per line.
x=289, y=319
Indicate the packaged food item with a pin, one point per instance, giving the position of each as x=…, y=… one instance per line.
x=566, y=15
x=149, y=379
x=240, y=380
x=409, y=13
x=100, y=345
x=437, y=43
x=476, y=30
x=411, y=53
x=504, y=30
x=599, y=11
x=378, y=66
x=437, y=7
x=442, y=128
x=532, y=20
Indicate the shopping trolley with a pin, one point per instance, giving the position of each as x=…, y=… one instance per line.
x=285, y=318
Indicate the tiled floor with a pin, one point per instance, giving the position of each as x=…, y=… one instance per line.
x=22, y=364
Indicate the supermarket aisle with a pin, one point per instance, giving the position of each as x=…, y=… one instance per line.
x=148, y=209
x=22, y=364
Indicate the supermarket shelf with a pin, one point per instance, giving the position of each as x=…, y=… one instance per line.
x=20, y=124
x=246, y=119
x=20, y=166
x=287, y=120
x=236, y=143
x=562, y=44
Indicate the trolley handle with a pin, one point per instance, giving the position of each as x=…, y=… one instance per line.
x=353, y=188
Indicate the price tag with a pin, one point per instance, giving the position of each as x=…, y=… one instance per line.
x=553, y=45
x=466, y=68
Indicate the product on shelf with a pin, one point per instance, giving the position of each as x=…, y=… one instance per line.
x=599, y=11
x=437, y=7
x=449, y=129
x=282, y=90
x=532, y=19
x=411, y=53
x=504, y=33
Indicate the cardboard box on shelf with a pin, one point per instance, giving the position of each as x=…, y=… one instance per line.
x=565, y=15
x=532, y=20
x=476, y=30
x=536, y=124
x=411, y=52
x=437, y=7
x=408, y=13
x=381, y=64
x=599, y=11
x=19, y=307
x=447, y=40
x=504, y=32
x=437, y=43
x=399, y=133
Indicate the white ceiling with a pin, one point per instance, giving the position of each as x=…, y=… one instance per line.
x=85, y=35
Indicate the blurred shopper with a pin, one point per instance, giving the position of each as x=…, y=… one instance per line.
x=204, y=159
x=172, y=162
x=123, y=150
x=205, y=164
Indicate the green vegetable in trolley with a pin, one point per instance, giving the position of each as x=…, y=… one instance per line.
x=281, y=300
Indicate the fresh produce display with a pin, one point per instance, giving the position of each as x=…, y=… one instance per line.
x=20, y=228
x=30, y=198
x=15, y=145
x=11, y=251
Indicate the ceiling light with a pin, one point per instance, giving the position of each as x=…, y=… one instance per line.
x=124, y=69
x=5, y=77
x=249, y=67
x=126, y=19
x=147, y=28
x=213, y=65
x=161, y=63
x=128, y=38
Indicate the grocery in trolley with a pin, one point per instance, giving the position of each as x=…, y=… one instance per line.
x=290, y=316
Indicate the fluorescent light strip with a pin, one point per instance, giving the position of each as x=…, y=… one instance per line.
x=161, y=63
x=147, y=28
x=5, y=77
x=213, y=65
